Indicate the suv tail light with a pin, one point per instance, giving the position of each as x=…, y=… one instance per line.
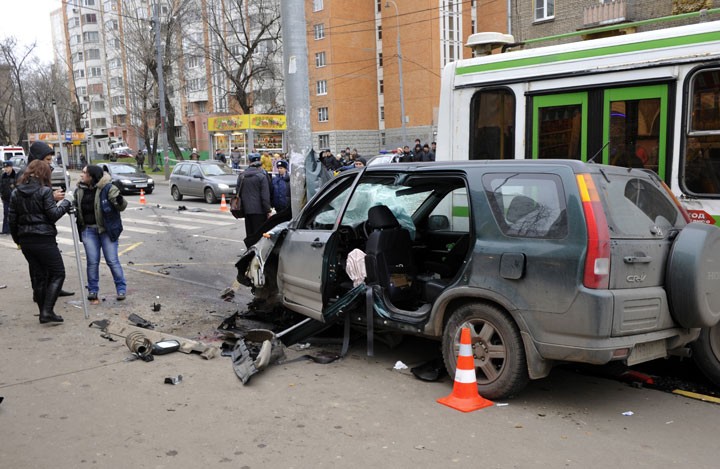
x=597, y=260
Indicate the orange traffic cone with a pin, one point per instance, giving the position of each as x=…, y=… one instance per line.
x=465, y=396
x=223, y=204
x=142, y=196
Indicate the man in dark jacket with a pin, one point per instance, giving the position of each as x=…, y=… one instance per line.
x=254, y=195
x=8, y=181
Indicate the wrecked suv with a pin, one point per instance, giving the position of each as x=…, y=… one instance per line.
x=544, y=261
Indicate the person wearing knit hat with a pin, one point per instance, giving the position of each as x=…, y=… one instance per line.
x=99, y=204
x=40, y=151
x=253, y=187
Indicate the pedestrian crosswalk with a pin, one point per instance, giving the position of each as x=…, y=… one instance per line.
x=137, y=224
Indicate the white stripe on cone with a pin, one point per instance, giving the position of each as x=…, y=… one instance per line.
x=465, y=376
x=465, y=350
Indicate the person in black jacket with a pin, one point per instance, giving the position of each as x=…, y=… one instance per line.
x=254, y=195
x=33, y=213
x=8, y=181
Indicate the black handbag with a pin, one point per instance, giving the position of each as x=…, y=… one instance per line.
x=236, y=204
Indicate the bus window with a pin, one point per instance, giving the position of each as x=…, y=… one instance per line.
x=702, y=147
x=492, y=125
x=559, y=127
x=635, y=127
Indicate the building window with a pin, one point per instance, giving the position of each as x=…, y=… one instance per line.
x=77, y=57
x=112, y=25
x=116, y=82
x=322, y=114
x=382, y=86
x=81, y=90
x=379, y=33
x=99, y=123
x=90, y=18
x=118, y=100
x=379, y=5
x=91, y=36
x=201, y=107
x=319, y=31
x=321, y=87
x=382, y=113
x=74, y=22
x=380, y=59
x=98, y=105
x=114, y=63
x=79, y=73
x=324, y=141
x=94, y=72
x=544, y=9
x=317, y=5
x=93, y=54
x=193, y=61
x=89, y=3
x=451, y=32
x=319, y=59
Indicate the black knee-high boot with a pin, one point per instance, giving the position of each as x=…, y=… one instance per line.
x=52, y=291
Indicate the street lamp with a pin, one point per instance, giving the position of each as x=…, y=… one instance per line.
x=400, y=71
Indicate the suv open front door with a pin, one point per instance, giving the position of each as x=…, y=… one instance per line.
x=303, y=261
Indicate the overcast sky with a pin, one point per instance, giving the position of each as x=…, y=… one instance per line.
x=28, y=21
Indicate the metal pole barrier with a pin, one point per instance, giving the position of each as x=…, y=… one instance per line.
x=73, y=225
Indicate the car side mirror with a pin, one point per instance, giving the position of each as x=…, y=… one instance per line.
x=197, y=176
x=438, y=222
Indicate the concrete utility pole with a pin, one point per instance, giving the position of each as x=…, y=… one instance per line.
x=400, y=71
x=297, y=98
x=161, y=89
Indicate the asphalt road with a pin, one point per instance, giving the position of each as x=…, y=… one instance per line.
x=73, y=400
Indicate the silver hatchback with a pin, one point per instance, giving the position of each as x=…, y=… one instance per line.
x=207, y=179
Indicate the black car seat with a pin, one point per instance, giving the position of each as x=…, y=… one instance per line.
x=388, y=259
x=453, y=259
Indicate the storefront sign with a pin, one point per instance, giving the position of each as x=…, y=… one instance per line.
x=246, y=121
x=267, y=121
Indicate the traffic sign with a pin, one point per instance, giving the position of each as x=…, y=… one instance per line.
x=68, y=135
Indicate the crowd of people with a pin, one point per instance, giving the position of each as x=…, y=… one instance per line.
x=348, y=159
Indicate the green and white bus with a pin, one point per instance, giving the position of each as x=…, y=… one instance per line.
x=649, y=99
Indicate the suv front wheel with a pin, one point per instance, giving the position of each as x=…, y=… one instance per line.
x=498, y=352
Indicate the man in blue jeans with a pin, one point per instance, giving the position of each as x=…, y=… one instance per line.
x=99, y=204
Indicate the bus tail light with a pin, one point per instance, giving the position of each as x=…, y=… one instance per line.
x=597, y=260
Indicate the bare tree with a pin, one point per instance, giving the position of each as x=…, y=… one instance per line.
x=244, y=48
x=138, y=39
x=15, y=56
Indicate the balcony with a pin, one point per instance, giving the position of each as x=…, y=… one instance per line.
x=602, y=14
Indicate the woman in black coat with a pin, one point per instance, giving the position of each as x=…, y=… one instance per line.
x=33, y=213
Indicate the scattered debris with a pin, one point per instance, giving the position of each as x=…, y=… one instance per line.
x=3, y=286
x=628, y=413
x=140, y=322
x=108, y=337
x=186, y=345
x=165, y=346
x=248, y=361
x=1, y=399
x=181, y=208
x=156, y=307
x=228, y=294
x=400, y=366
x=698, y=396
x=173, y=380
x=505, y=404
x=139, y=344
x=433, y=370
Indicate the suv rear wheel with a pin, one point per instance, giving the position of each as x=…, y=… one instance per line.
x=706, y=353
x=498, y=352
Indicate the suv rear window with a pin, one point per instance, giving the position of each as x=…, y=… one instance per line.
x=637, y=208
x=527, y=205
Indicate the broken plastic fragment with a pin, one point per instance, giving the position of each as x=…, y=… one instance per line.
x=628, y=413
x=173, y=379
x=400, y=366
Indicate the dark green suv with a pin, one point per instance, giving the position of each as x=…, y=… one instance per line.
x=545, y=261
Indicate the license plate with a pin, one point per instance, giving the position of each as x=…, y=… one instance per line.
x=647, y=351
x=140, y=185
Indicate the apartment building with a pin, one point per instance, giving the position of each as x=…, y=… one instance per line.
x=109, y=46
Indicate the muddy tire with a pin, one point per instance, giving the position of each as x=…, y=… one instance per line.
x=706, y=353
x=499, y=355
x=176, y=195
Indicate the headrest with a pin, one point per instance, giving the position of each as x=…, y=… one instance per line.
x=519, y=207
x=381, y=218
